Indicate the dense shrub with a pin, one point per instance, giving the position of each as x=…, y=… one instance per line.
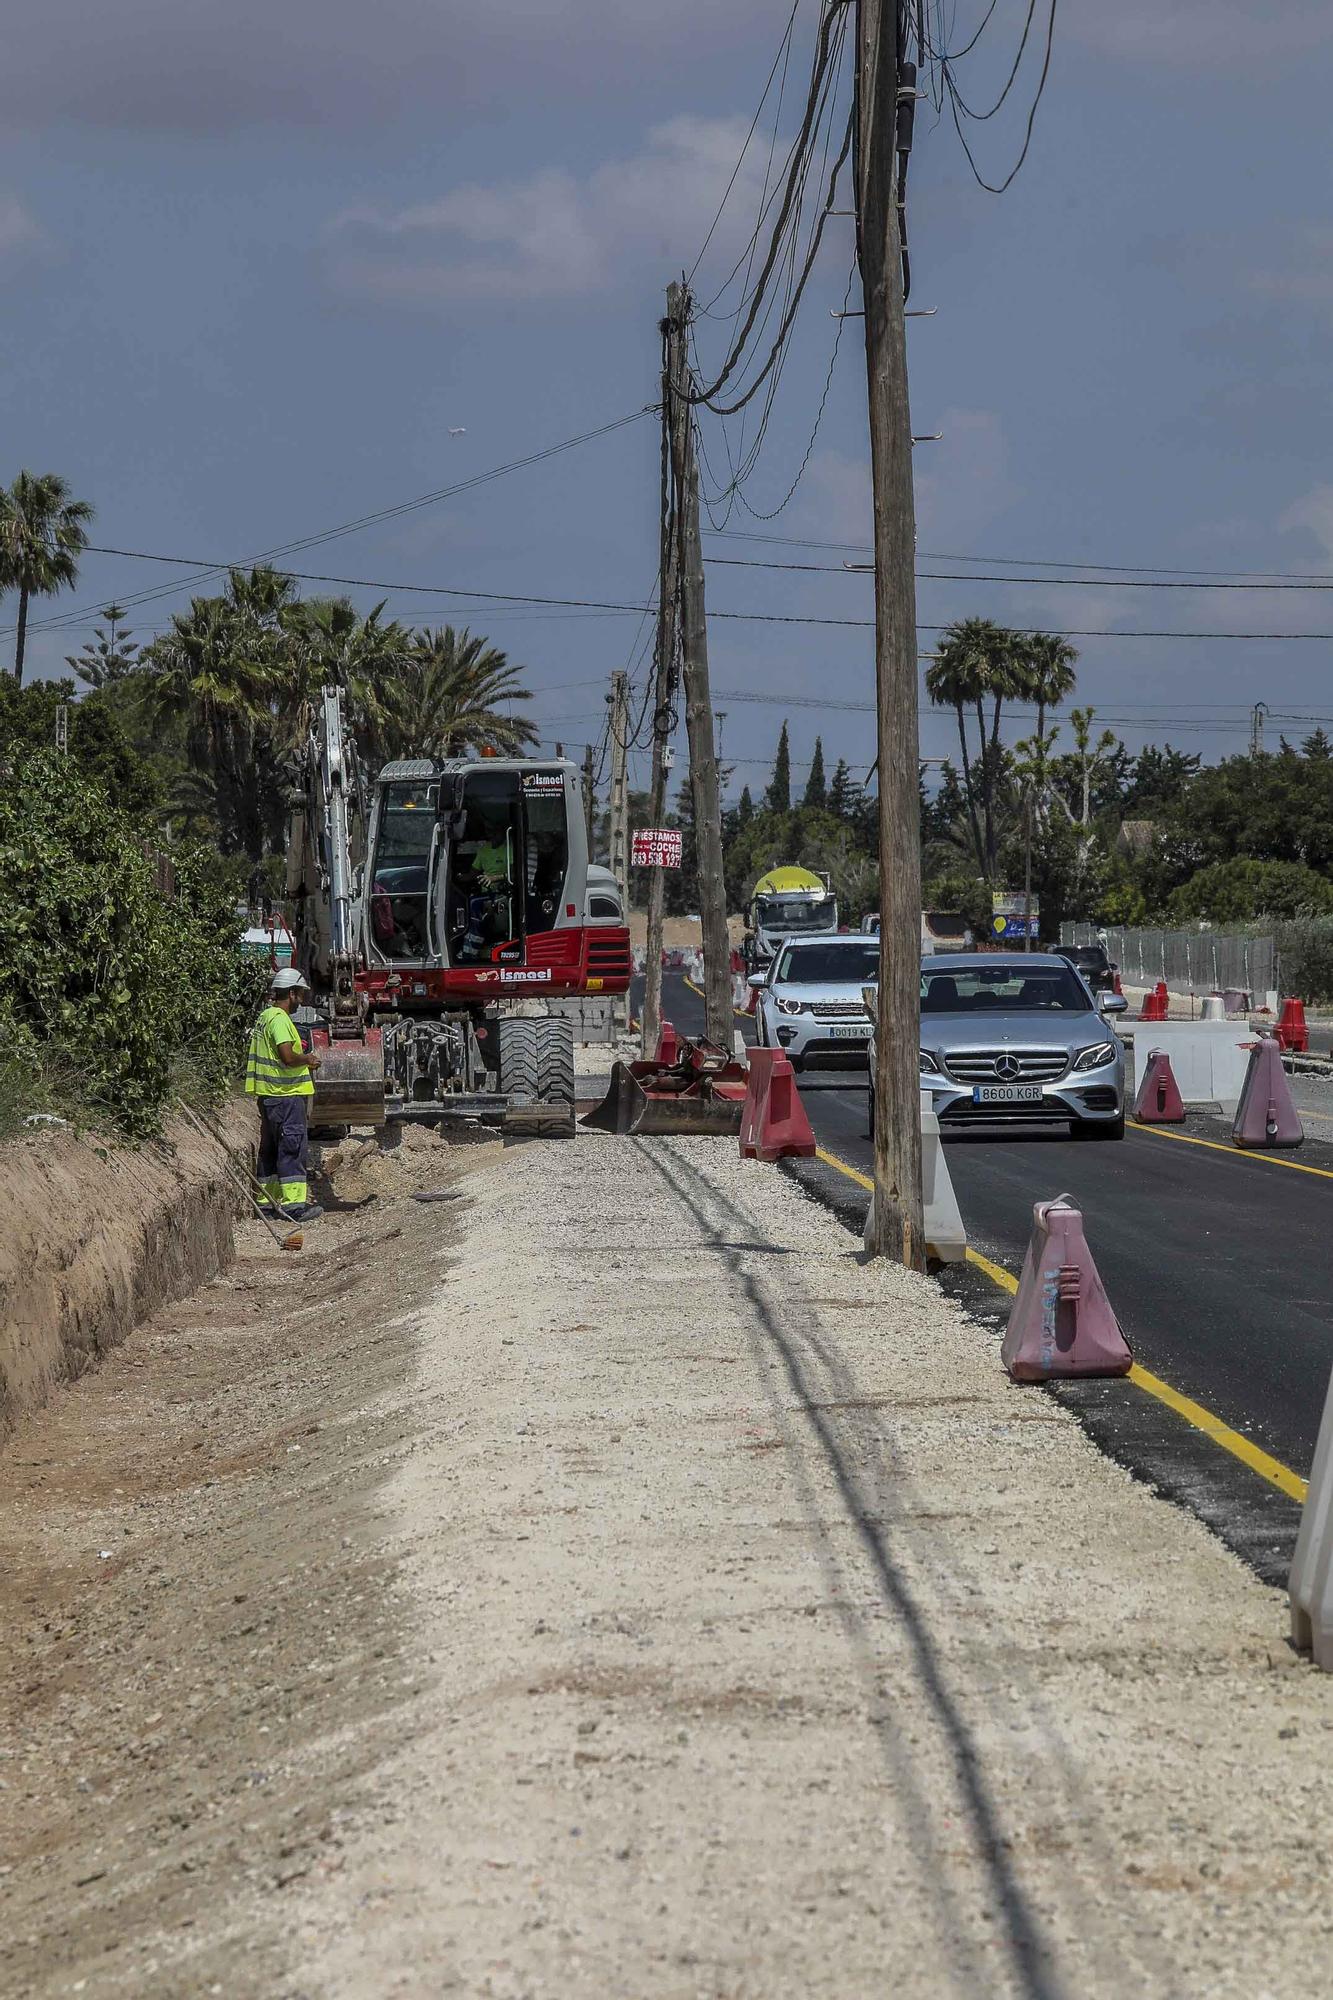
x=128, y=994
x=1239, y=891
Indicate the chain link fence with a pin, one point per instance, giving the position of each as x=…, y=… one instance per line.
x=1189, y=961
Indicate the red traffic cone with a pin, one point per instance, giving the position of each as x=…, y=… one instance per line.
x=1159, y=1101
x=1061, y=1322
x=1154, y=1003
x=773, y=1121
x=1292, y=1032
x=1265, y=1115
x=1116, y=987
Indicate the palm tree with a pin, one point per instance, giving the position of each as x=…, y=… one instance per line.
x=446, y=700
x=218, y=670
x=43, y=532
x=1048, y=666
x=978, y=662
x=327, y=643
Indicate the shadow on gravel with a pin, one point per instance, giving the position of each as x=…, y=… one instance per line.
x=1029, y=1952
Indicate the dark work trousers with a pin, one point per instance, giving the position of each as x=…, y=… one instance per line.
x=283, y=1150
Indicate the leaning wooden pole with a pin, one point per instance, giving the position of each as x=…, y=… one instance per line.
x=896, y=1228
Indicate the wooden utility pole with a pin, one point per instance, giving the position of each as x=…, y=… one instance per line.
x=698, y=699
x=664, y=688
x=619, y=815
x=896, y=1229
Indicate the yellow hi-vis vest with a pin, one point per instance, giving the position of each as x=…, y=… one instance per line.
x=266, y=1075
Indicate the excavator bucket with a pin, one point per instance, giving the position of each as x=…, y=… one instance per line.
x=349, y=1083
x=654, y=1100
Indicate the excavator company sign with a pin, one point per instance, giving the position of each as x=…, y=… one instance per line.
x=657, y=847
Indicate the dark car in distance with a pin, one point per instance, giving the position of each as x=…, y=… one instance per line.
x=1092, y=965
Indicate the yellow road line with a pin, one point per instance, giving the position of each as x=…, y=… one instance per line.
x=739, y=1012
x=1232, y=1152
x=1267, y=1467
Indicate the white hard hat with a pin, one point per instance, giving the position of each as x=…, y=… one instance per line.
x=287, y=978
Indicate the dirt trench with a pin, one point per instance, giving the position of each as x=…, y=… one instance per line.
x=197, y=1617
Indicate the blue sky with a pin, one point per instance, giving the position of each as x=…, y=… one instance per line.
x=258, y=262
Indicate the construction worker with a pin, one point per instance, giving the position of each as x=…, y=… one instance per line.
x=278, y=1071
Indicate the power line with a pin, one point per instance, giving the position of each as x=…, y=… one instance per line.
x=1034, y=562
x=363, y=521
x=982, y=576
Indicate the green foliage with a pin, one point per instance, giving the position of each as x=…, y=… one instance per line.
x=1305, y=951
x=103, y=978
x=815, y=796
x=777, y=799
x=1238, y=891
x=43, y=532
x=109, y=655
x=99, y=745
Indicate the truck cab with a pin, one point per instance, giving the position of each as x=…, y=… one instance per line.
x=786, y=902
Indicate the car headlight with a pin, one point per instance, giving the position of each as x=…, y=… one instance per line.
x=1093, y=1058
x=928, y=1063
x=790, y=1006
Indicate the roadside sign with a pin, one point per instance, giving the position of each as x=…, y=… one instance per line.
x=657, y=846
x=1012, y=903
x=1005, y=928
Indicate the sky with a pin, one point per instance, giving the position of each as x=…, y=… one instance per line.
x=268, y=269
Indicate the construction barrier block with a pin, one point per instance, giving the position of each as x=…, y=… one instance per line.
x=773, y=1121
x=1062, y=1322
x=1266, y=1115
x=1292, y=1032
x=1159, y=1101
x=668, y=1045
x=946, y=1238
x=1310, y=1585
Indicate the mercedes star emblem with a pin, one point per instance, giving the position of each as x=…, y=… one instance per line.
x=1007, y=1067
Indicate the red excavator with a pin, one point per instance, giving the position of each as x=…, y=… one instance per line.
x=427, y=903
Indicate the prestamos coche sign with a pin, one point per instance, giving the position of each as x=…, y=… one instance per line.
x=657, y=847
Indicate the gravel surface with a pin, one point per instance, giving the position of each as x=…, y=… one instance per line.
x=772, y=1643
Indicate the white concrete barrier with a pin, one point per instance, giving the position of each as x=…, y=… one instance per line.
x=946, y=1238
x=1209, y=1059
x=1310, y=1585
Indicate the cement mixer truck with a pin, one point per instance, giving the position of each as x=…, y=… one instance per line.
x=786, y=902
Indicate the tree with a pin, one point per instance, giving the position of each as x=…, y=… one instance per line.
x=844, y=795
x=778, y=796
x=744, y=809
x=1046, y=668
x=980, y=663
x=43, y=532
x=815, y=796
x=445, y=698
x=1238, y=891
x=221, y=672
x=109, y=655
x=327, y=643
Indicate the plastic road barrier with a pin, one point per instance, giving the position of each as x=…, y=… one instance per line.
x=1266, y=1115
x=946, y=1238
x=1159, y=1101
x=773, y=1123
x=1061, y=1322
x=1310, y=1585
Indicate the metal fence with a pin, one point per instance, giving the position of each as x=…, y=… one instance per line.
x=1189, y=961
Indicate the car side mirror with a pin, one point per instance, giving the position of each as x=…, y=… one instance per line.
x=756, y=980
x=1112, y=1003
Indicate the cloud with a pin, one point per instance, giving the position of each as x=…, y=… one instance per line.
x=553, y=234
x=1202, y=34
x=19, y=231
x=1313, y=514
x=176, y=66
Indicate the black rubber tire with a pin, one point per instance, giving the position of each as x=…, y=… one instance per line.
x=1095, y=1128
x=555, y=1061
x=520, y=1068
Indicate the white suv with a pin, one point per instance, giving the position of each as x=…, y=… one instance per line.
x=810, y=1000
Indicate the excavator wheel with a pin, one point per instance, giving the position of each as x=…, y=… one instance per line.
x=537, y=1075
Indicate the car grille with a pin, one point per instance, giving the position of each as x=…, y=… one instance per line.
x=836, y=1010
x=1033, y=1065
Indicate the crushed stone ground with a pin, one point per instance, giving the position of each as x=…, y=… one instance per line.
x=661, y=1602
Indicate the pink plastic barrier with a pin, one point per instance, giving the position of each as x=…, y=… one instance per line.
x=773, y=1122
x=1159, y=1101
x=1062, y=1322
x=1265, y=1115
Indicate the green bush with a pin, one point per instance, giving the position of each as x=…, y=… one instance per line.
x=1305, y=954
x=1239, y=891
x=106, y=982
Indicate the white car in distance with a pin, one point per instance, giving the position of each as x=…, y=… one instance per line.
x=811, y=1003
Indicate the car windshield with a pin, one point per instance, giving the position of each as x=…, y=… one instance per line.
x=1003, y=989
x=841, y=964
x=776, y=913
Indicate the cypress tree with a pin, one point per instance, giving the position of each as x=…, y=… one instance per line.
x=815, y=798
x=778, y=796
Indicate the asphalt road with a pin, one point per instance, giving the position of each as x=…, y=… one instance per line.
x=1219, y=1266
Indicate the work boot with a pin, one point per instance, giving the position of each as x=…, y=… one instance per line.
x=309, y=1211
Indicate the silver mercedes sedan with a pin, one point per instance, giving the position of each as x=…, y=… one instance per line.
x=1017, y=1038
